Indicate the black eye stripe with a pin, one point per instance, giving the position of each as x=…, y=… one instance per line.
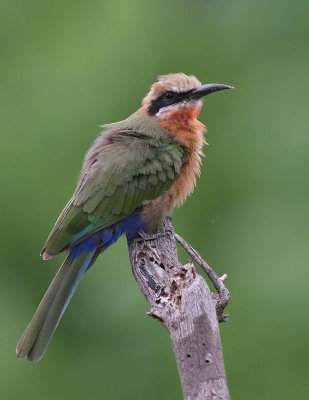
x=167, y=99
x=169, y=95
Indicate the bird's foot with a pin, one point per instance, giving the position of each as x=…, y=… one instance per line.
x=143, y=236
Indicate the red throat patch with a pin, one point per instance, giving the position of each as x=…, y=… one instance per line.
x=183, y=113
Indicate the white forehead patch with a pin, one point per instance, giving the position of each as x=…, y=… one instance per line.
x=178, y=82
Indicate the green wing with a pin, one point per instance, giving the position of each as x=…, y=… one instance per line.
x=128, y=169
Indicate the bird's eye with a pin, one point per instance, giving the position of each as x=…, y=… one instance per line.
x=169, y=95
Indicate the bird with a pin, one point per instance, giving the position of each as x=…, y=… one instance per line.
x=136, y=172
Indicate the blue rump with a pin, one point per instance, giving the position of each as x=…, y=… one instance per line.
x=130, y=225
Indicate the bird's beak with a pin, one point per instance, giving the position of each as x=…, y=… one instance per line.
x=204, y=90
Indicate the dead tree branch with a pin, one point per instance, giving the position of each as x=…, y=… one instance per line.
x=181, y=300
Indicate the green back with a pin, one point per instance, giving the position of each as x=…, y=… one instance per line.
x=129, y=168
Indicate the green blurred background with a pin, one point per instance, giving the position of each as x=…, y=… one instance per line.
x=66, y=68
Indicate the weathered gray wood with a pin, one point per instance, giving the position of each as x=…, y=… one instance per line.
x=181, y=300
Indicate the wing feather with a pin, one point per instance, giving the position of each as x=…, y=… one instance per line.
x=126, y=171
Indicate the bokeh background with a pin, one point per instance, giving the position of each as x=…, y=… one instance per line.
x=69, y=66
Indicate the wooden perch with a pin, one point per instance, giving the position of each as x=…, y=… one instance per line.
x=181, y=300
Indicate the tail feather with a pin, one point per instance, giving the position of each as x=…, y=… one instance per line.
x=38, y=333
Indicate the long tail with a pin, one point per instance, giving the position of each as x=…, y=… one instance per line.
x=38, y=333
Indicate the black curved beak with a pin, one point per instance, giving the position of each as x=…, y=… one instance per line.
x=209, y=88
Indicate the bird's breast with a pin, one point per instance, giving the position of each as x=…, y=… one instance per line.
x=154, y=211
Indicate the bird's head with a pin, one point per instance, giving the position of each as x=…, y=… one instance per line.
x=178, y=97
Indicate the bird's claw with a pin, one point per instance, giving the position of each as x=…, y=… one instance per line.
x=147, y=237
